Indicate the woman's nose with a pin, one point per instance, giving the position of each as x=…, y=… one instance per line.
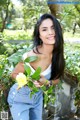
x=50, y=31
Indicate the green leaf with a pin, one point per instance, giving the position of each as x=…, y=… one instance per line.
x=31, y=94
x=30, y=84
x=43, y=88
x=31, y=59
x=27, y=69
x=52, y=100
x=1, y=72
x=34, y=90
x=45, y=98
x=36, y=74
x=50, y=90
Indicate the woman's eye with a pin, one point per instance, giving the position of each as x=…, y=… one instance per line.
x=53, y=27
x=44, y=30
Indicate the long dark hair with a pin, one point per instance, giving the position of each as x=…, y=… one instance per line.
x=58, y=63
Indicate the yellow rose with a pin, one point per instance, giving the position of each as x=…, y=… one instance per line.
x=21, y=79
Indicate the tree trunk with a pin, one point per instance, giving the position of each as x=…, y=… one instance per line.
x=55, y=9
x=6, y=16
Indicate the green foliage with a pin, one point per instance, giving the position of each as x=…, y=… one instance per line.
x=72, y=57
x=7, y=64
x=30, y=59
x=32, y=10
x=5, y=81
x=27, y=69
x=77, y=98
x=22, y=16
x=10, y=46
x=5, y=13
x=69, y=16
x=2, y=48
x=17, y=35
x=17, y=57
x=36, y=74
x=3, y=2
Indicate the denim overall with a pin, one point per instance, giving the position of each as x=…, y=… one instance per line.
x=24, y=107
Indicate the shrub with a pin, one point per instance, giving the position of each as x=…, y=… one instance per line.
x=7, y=64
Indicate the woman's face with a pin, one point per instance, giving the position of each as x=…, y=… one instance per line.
x=47, y=32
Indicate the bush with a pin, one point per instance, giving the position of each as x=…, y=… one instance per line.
x=7, y=64
x=72, y=57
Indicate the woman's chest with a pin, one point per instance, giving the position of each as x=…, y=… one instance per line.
x=43, y=63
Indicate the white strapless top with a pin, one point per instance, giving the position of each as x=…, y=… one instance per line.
x=46, y=73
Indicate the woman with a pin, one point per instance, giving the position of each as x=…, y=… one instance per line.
x=48, y=46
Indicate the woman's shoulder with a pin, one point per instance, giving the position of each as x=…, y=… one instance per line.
x=28, y=54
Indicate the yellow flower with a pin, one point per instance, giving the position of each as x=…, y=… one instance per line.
x=21, y=80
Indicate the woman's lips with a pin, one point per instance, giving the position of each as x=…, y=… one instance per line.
x=51, y=37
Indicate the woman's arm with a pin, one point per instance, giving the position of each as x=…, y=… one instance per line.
x=46, y=82
x=18, y=69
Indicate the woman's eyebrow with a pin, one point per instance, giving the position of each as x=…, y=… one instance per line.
x=44, y=27
x=47, y=27
x=52, y=26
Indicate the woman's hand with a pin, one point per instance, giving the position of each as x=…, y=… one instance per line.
x=37, y=84
x=43, y=81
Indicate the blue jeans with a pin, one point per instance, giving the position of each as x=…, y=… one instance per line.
x=24, y=107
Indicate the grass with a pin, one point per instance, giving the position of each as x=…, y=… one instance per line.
x=17, y=34
x=68, y=36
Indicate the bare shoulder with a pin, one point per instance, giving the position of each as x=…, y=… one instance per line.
x=28, y=54
x=31, y=53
